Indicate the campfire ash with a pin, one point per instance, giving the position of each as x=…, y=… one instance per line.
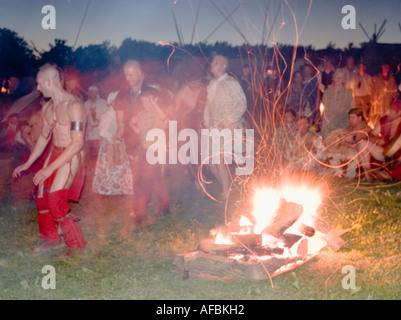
x=282, y=232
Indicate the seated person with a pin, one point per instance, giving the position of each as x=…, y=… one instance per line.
x=341, y=144
x=285, y=135
x=387, y=148
x=10, y=131
x=309, y=149
x=294, y=100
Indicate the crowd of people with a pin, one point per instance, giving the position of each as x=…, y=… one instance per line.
x=338, y=122
x=113, y=134
x=349, y=119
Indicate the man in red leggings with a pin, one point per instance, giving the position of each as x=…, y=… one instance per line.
x=61, y=178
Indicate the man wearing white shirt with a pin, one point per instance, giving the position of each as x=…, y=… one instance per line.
x=225, y=108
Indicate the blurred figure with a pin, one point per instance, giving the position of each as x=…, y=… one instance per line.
x=10, y=132
x=112, y=175
x=29, y=132
x=325, y=77
x=337, y=102
x=310, y=91
x=190, y=100
x=72, y=81
x=225, y=108
x=271, y=86
x=95, y=108
x=384, y=92
x=349, y=71
x=128, y=106
x=285, y=135
x=361, y=86
x=308, y=147
x=386, y=149
x=151, y=179
x=294, y=100
x=248, y=85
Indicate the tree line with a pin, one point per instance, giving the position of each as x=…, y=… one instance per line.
x=19, y=59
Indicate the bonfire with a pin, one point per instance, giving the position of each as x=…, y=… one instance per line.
x=281, y=232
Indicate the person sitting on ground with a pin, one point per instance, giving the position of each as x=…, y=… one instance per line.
x=308, y=151
x=361, y=86
x=386, y=149
x=294, y=100
x=384, y=91
x=285, y=135
x=310, y=91
x=341, y=144
x=337, y=102
x=349, y=71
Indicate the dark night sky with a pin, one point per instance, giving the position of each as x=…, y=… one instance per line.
x=152, y=20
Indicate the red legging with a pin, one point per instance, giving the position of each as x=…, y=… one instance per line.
x=53, y=212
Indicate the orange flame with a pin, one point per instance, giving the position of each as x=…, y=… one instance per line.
x=266, y=202
x=321, y=108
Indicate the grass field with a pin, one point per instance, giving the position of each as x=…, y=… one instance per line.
x=140, y=266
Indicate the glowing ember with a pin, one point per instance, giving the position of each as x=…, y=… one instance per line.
x=245, y=222
x=221, y=237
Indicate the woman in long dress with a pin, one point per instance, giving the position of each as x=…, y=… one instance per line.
x=113, y=176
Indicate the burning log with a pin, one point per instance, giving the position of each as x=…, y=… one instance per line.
x=276, y=239
x=306, y=230
x=283, y=218
x=290, y=239
x=208, y=246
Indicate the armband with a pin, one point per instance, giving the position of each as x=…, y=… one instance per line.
x=77, y=126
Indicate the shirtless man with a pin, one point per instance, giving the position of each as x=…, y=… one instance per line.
x=61, y=178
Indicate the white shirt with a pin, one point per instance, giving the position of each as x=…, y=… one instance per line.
x=226, y=103
x=94, y=112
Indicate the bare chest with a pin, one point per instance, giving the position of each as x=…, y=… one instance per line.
x=57, y=119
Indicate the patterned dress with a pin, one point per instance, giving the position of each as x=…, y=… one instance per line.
x=113, y=175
